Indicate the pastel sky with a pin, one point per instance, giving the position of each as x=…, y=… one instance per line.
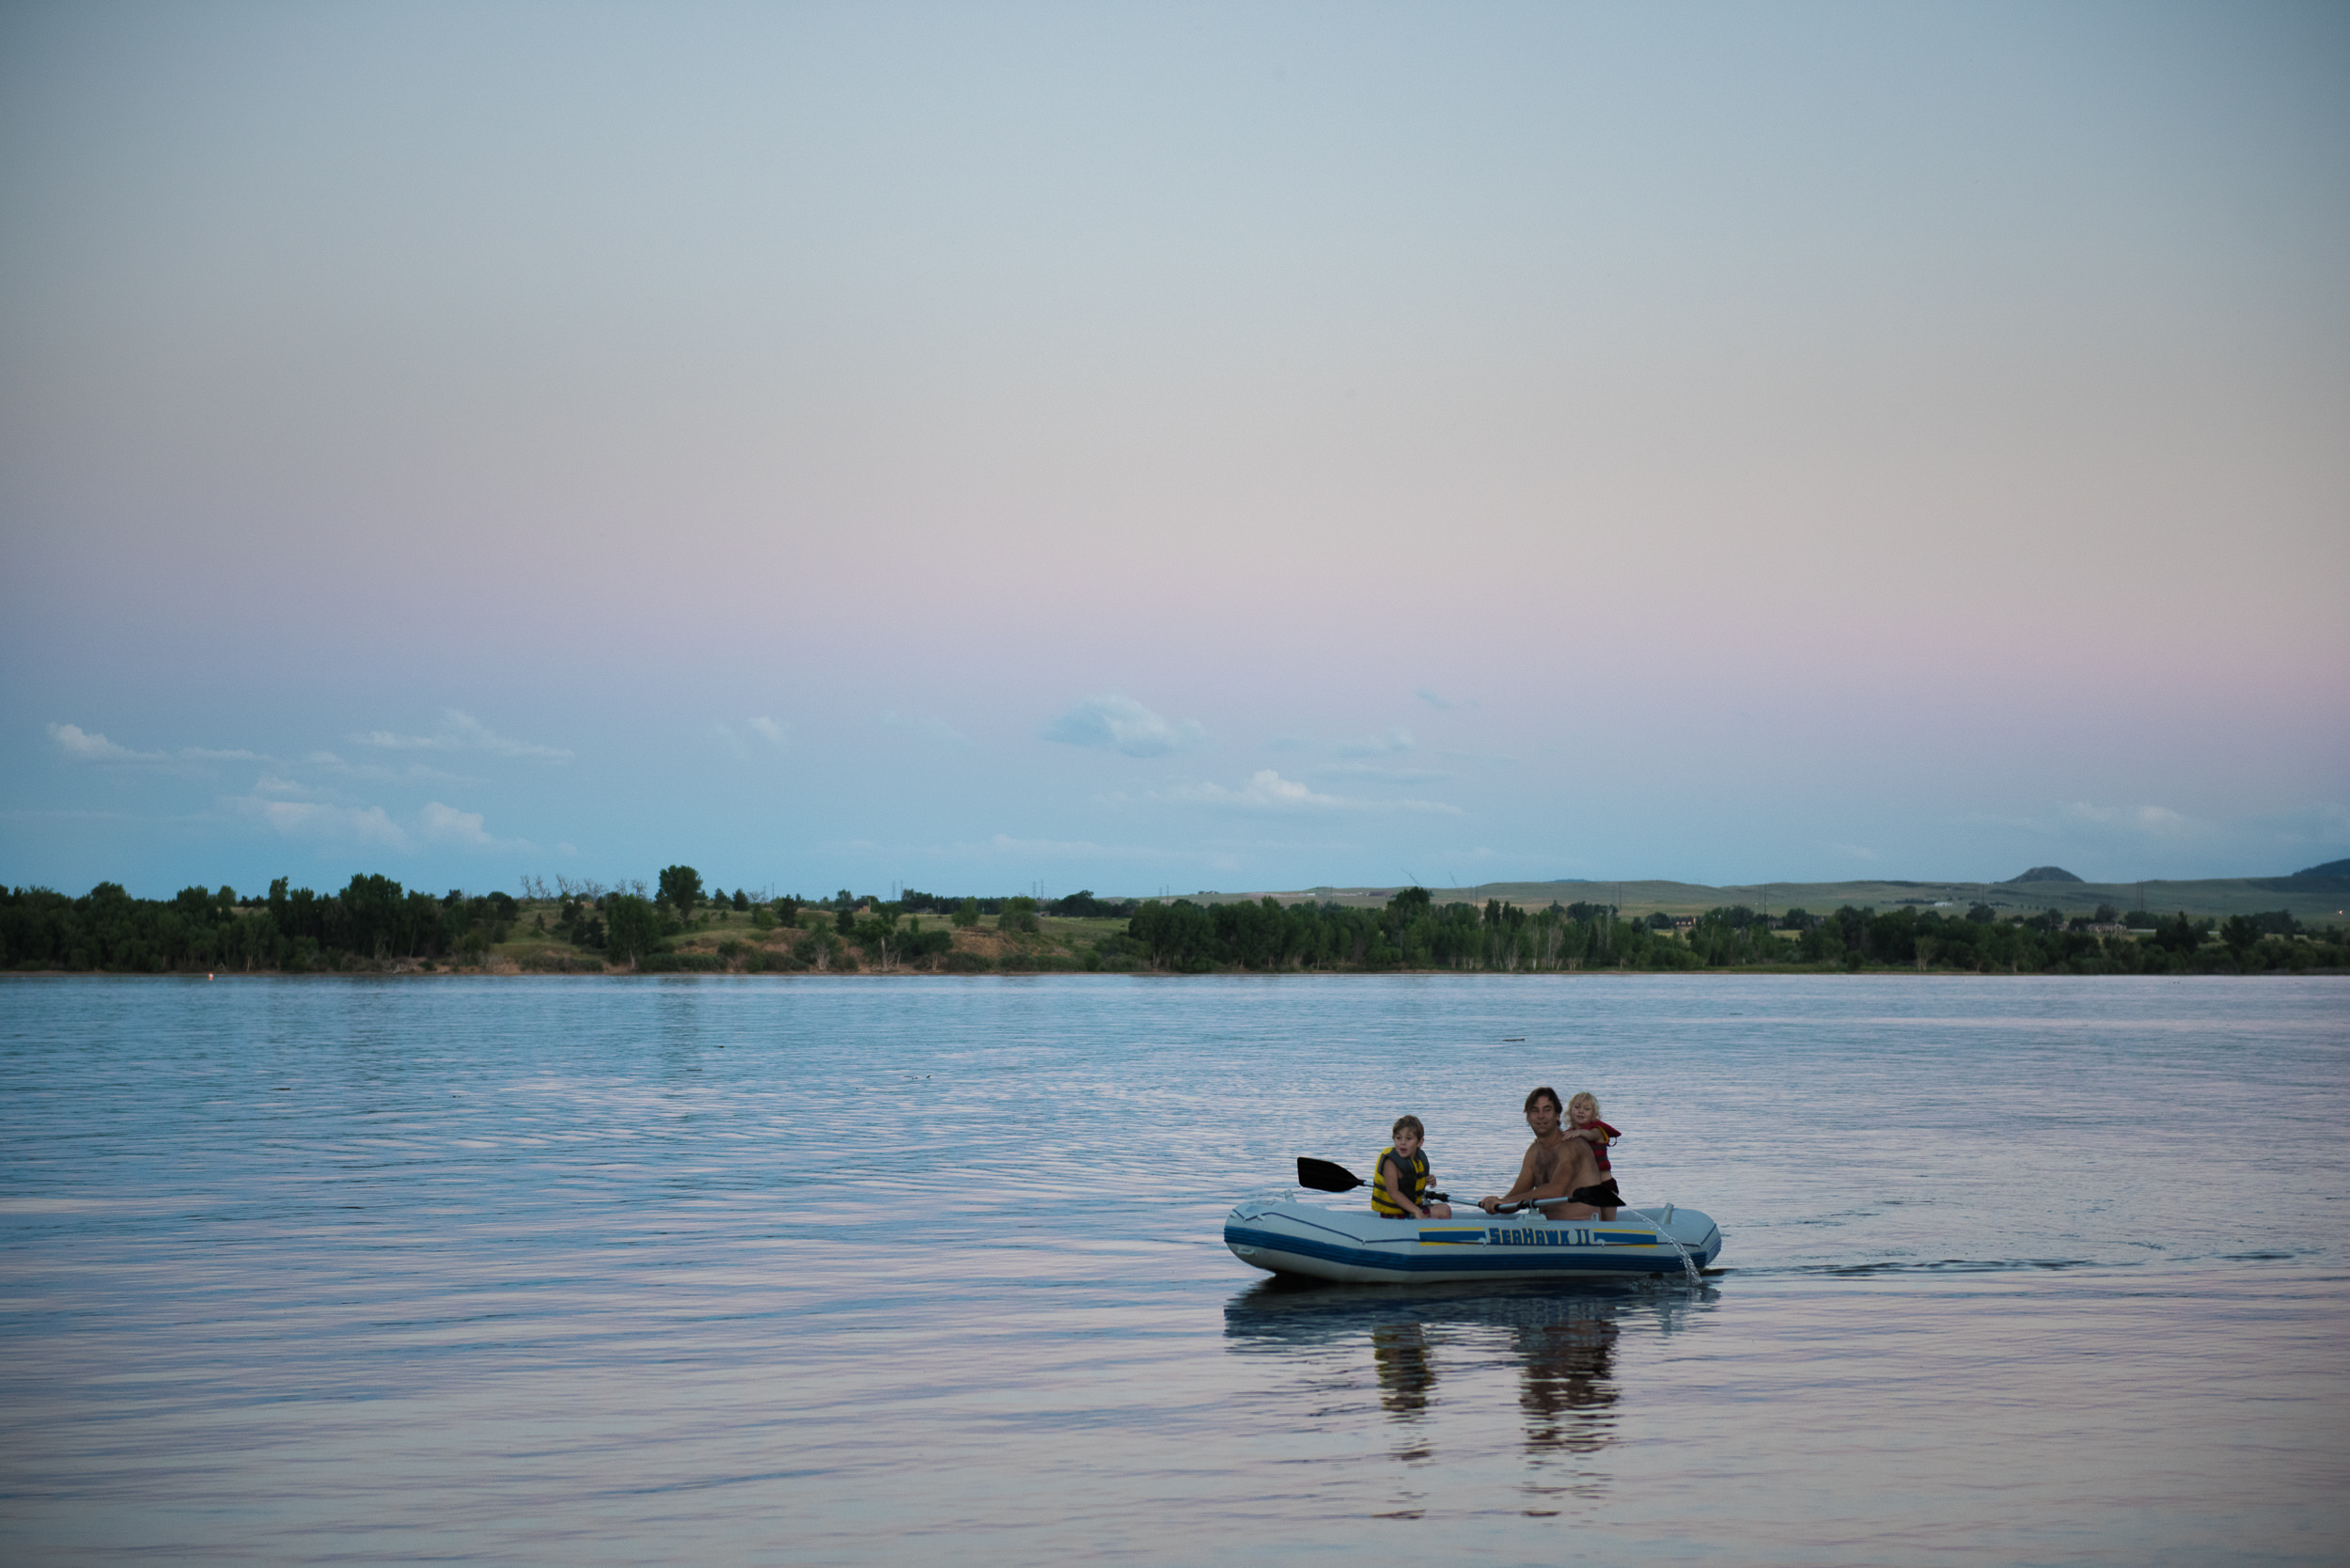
x=1188, y=447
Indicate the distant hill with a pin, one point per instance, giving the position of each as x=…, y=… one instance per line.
x=2044, y=873
x=2332, y=867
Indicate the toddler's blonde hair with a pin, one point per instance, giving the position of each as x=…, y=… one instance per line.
x=1586, y=1098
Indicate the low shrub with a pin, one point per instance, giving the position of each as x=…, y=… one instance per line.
x=681, y=964
x=559, y=964
x=1040, y=963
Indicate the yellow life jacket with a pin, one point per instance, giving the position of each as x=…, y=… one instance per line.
x=1412, y=1177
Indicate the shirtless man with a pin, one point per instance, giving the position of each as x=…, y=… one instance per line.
x=1555, y=1163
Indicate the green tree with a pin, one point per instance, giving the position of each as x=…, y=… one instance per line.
x=1019, y=914
x=2239, y=934
x=967, y=913
x=681, y=889
x=877, y=933
x=631, y=927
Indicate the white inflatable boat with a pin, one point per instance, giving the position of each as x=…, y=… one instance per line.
x=1362, y=1247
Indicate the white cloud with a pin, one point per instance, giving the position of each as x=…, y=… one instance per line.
x=1115, y=723
x=461, y=731
x=81, y=746
x=1267, y=790
x=448, y=825
x=375, y=772
x=769, y=730
x=1443, y=705
x=302, y=819
x=438, y=823
x=1857, y=852
x=1396, y=738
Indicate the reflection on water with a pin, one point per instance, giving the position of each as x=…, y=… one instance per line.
x=1560, y=1345
x=1400, y=1352
x=1565, y=1384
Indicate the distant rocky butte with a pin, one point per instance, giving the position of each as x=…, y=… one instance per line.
x=2044, y=873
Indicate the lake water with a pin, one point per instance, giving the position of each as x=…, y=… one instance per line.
x=860, y=1271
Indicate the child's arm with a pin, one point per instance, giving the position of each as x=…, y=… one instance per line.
x=1388, y=1169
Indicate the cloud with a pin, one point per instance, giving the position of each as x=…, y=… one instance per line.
x=448, y=825
x=378, y=773
x=1115, y=723
x=79, y=745
x=1445, y=705
x=769, y=730
x=1267, y=790
x=1857, y=852
x=304, y=819
x=461, y=731
x=1396, y=738
x=437, y=824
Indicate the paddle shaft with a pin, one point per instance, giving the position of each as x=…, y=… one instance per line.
x=1324, y=1176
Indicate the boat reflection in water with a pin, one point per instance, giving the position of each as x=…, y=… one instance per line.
x=1560, y=1347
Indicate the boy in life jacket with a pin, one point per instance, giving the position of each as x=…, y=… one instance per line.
x=1583, y=1122
x=1400, y=1180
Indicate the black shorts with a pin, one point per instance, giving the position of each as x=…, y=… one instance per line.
x=1598, y=1195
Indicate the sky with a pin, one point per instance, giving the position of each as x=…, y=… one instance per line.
x=1017, y=448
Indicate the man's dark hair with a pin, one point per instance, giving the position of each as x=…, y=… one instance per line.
x=1545, y=1092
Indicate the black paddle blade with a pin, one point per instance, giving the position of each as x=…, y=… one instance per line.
x=1321, y=1176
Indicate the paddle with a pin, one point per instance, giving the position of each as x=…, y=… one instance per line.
x=1321, y=1176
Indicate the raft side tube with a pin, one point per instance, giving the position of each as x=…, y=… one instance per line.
x=1282, y=1237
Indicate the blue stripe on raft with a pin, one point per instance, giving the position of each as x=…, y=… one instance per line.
x=1501, y=1259
x=1454, y=1238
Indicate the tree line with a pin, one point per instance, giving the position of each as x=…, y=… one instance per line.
x=294, y=929
x=374, y=921
x=1413, y=932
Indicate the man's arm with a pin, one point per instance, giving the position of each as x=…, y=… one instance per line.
x=1524, y=1186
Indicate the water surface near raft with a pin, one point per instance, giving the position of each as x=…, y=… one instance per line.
x=874, y=1272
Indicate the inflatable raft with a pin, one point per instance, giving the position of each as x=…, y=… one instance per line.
x=1361, y=1247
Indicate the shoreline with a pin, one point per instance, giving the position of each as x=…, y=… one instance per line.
x=1758, y=971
